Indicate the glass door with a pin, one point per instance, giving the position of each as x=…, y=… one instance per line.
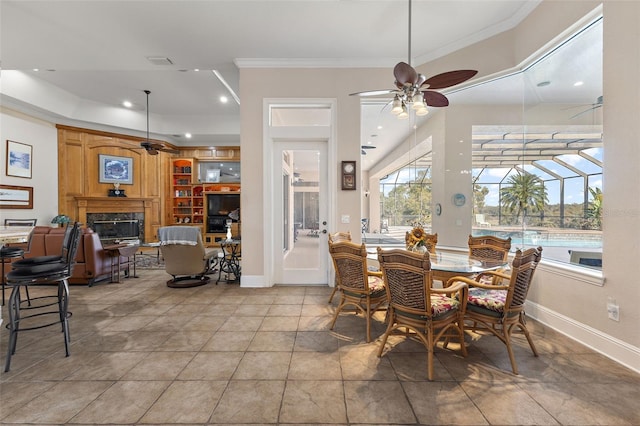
x=300, y=243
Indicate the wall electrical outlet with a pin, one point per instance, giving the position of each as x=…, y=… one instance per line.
x=613, y=310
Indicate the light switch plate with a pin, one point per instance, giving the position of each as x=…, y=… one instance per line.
x=346, y=218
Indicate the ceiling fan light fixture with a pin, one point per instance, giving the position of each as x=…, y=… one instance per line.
x=404, y=114
x=422, y=111
x=396, y=106
x=418, y=103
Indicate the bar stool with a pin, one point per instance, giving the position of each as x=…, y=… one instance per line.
x=44, y=273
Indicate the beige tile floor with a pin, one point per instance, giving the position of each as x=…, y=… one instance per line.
x=143, y=353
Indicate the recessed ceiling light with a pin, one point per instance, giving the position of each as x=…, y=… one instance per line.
x=379, y=127
x=197, y=69
x=127, y=104
x=224, y=99
x=36, y=69
x=187, y=135
x=578, y=83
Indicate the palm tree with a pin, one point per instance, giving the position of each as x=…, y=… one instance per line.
x=525, y=192
x=595, y=206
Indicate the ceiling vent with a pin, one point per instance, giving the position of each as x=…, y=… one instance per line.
x=159, y=60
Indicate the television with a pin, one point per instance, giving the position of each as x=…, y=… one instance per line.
x=219, y=209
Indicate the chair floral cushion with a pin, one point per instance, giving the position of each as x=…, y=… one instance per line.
x=488, y=299
x=441, y=304
x=376, y=284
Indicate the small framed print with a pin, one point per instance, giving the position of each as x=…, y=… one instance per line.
x=16, y=197
x=19, y=159
x=348, y=172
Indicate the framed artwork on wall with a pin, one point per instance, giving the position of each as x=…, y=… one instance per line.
x=116, y=169
x=19, y=159
x=16, y=197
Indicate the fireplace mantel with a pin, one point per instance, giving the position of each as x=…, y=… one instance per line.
x=144, y=205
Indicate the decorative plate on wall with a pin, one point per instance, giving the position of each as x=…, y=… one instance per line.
x=459, y=200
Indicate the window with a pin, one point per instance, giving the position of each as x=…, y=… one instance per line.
x=405, y=195
x=540, y=181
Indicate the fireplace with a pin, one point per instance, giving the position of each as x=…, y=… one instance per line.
x=117, y=227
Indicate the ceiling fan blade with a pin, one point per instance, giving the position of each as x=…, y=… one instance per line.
x=405, y=73
x=372, y=93
x=170, y=151
x=450, y=78
x=154, y=147
x=435, y=99
x=585, y=111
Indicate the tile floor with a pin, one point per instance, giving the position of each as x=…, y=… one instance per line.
x=143, y=353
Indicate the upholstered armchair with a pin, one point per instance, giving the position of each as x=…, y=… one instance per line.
x=186, y=258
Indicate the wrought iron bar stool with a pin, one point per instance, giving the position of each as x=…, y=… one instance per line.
x=46, y=272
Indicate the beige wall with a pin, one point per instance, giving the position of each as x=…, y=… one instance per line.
x=43, y=138
x=572, y=303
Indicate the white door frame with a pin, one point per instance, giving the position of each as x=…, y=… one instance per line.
x=271, y=134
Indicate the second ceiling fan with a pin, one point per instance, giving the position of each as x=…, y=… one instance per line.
x=416, y=89
x=152, y=147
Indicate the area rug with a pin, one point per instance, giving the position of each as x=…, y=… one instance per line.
x=149, y=261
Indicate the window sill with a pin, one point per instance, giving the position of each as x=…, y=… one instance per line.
x=577, y=273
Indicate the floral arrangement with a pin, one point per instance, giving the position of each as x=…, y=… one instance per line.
x=416, y=238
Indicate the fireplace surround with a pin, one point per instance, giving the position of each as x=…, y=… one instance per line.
x=117, y=227
x=145, y=210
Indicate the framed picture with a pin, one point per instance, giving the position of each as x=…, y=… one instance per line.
x=19, y=159
x=16, y=197
x=115, y=169
x=348, y=171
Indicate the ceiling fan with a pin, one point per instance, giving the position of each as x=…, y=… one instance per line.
x=154, y=147
x=413, y=87
x=597, y=104
x=363, y=148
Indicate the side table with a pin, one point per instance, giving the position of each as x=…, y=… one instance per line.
x=126, y=251
x=230, y=260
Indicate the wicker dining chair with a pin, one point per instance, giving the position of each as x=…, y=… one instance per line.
x=488, y=247
x=334, y=238
x=499, y=308
x=416, y=308
x=359, y=287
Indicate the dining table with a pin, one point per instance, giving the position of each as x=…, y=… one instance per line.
x=14, y=234
x=445, y=264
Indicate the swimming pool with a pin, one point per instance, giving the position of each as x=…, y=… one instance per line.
x=546, y=238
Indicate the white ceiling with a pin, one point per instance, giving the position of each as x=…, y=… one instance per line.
x=96, y=51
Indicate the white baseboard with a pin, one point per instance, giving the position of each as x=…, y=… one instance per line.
x=609, y=346
x=252, y=281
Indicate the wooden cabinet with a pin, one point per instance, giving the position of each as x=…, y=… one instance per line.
x=206, y=193
x=222, y=205
x=187, y=201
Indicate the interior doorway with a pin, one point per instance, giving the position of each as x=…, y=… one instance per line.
x=299, y=143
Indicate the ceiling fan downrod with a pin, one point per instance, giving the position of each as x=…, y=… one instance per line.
x=409, y=26
x=147, y=92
